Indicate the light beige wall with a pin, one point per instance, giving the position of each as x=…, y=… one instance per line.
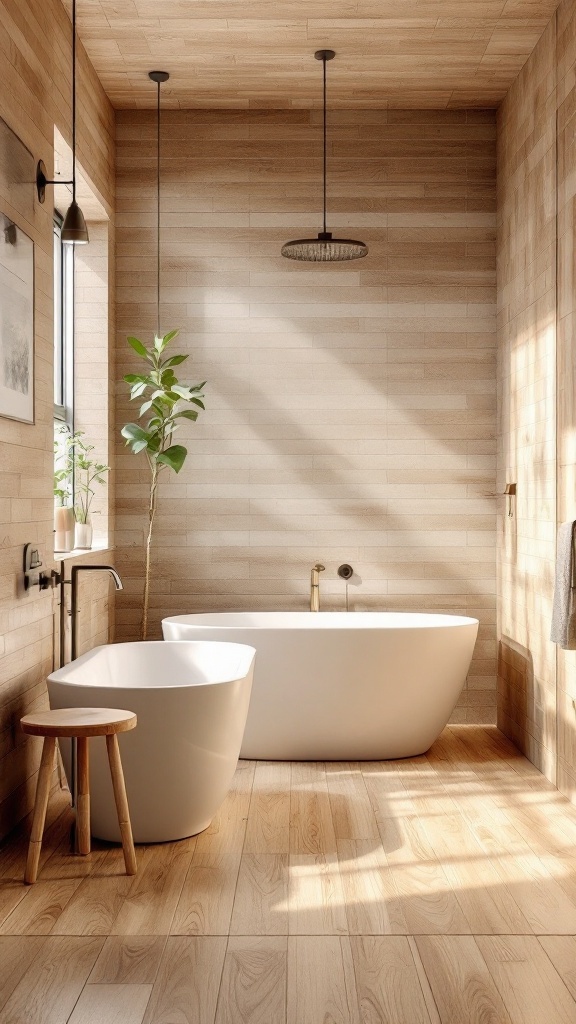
x=537, y=410
x=350, y=408
x=35, y=95
x=566, y=360
x=527, y=387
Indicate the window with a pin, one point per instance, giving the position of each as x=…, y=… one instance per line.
x=63, y=327
x=81, y=361
x=63, y=364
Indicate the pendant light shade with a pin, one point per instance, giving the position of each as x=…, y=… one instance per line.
x=324, y=248
x=74, y=228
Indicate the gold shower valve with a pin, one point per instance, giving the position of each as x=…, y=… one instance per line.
x=510, y=492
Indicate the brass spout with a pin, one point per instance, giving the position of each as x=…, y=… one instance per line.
x=315, y=586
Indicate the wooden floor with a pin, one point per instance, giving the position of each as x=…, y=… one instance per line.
x=438, y=890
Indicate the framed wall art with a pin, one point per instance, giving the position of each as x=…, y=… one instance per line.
x=16, y=322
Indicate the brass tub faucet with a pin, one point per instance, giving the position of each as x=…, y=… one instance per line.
x=315, y=586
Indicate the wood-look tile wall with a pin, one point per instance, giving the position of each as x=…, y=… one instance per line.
x=565, y=59
x=35, y=96
x=537, y=411
x=527, y=388
x=350, y=408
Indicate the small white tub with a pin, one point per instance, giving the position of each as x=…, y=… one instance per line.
x=344, y=686
x=191, y=700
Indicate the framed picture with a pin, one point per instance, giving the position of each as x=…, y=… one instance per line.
x=16, y=322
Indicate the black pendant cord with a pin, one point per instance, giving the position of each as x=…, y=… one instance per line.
x=158, y=214
x=73, y=101
x=158, y=77
x=324, y=190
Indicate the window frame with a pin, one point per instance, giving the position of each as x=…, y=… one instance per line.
x=63, y=327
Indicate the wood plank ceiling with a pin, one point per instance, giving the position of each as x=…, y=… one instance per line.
x=258, y=53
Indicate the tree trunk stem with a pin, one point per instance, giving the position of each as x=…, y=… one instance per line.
x=151, y=515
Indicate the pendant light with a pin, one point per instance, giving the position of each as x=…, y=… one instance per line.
x=74, y=230
x=158, y=77
x=325, y=248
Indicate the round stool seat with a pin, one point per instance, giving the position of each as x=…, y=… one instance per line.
x=79, y=722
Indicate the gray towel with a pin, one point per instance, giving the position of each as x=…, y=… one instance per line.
x=563, y=630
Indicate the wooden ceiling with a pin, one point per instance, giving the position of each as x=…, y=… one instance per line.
x=259, y=53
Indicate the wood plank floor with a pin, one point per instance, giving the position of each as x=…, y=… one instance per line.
x=436, y=890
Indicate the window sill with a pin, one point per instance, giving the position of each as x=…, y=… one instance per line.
x=98, y=545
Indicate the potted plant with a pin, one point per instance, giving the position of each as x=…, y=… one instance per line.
x=166, y=403
x=63, y=511
x=76, y=467
x=87, y=471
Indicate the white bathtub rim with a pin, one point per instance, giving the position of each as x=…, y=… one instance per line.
x=62, y=674
x=339, y=620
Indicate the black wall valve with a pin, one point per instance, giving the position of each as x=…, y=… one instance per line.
x=33, y=577
x=49, y=580
x=345, y=571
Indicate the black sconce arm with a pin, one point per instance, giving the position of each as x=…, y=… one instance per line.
x=42, y=181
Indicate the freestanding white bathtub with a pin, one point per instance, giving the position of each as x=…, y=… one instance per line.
x=343, y=686
x=191, y=700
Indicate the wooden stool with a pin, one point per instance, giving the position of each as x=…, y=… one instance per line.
x=80, y=723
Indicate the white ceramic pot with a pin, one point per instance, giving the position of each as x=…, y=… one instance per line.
x=63, y=528
x=83, y=535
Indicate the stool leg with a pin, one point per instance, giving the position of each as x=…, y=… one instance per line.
x=83, y=804
x=121, y=804
x=40, y=805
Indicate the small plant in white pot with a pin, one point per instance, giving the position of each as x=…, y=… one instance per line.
x=166, y=403
x=63, y=510
x=87, y=471
x=76, y=468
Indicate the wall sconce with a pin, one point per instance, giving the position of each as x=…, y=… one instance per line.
x=510, y=492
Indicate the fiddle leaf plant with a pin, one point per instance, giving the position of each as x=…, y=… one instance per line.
x=166, y=403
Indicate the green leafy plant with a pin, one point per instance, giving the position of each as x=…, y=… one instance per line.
x=87, y=471
x=167, y=403
x=75, y=465
x=62, y=466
